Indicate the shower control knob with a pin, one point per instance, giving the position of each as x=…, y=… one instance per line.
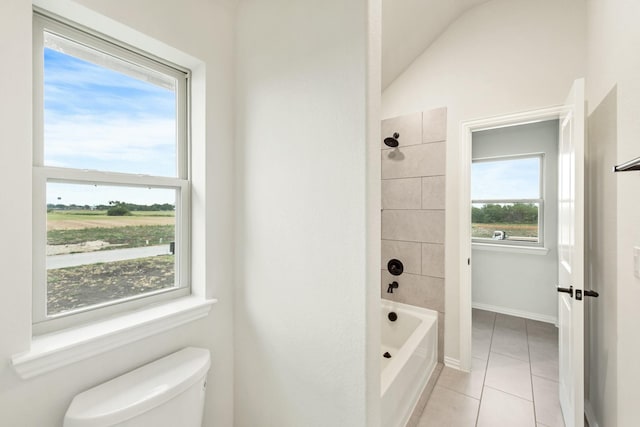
x=395, y=267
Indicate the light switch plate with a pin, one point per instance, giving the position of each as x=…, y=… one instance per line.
x=636, y=261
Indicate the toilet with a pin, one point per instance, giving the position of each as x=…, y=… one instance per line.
x=166, y=393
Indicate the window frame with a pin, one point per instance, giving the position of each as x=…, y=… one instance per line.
x=539, y=201
x=181, y=183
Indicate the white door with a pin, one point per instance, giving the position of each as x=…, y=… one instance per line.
x=571, y=257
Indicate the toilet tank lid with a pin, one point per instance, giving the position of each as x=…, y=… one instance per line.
x=138, y=391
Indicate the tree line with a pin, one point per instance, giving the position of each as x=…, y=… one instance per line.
x=129, y=206
x=521, y=213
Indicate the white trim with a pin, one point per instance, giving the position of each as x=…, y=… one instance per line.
x=77, y=34
x=452, y=363
x=539, y=201
x=66, y=10
x=58, y=349
x=464, y=218
x=518, y=313
x=464, y=363
x=590, y=414
x=491, y=247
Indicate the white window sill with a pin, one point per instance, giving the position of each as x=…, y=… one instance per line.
x=530, y=250
x=58, y=349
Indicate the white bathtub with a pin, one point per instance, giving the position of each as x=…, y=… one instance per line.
x=412, y=341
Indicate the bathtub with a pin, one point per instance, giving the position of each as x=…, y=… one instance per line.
x=412, y=342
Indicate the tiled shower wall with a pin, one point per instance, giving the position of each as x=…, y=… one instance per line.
x=413, y=210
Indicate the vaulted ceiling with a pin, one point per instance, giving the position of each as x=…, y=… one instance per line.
x=410, y=26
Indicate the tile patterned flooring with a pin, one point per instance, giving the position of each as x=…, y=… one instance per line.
x=513, y=382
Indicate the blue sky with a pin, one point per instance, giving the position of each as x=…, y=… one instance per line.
x=517, y=178
x=97, y=118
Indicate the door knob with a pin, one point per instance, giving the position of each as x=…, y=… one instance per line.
x=568, y=290
x=586, y=294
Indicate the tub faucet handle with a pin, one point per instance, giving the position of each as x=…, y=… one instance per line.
x=393, y=285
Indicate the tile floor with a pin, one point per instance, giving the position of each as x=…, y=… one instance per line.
x=513, y=382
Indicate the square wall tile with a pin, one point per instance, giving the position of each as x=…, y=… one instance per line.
x=434, y=125
x=433, y=192
x=423, y=291
x=404, y=193
x=414, y=161
x=407, y=252
x=408, y=126
x=433, y=259
x=413, y=226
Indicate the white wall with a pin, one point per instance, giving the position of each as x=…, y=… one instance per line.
x=202, y=29
x=500, y=57
x=304, y=277
x=509, y=281
x=613, y=91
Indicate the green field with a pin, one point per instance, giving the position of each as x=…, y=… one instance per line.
x=133, y=236
x=79, y=215
x=77, y=227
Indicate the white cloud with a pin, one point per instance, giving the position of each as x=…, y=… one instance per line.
x=120, y=144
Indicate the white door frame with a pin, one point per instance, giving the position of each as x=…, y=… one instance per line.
x=466, y=130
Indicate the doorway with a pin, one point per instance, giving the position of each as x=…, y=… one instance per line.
x=570, y=284
x=514, y=219
x=483, y=127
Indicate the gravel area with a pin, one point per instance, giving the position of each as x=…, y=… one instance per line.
x=82, y=286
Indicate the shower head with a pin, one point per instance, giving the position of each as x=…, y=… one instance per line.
x=392, y=141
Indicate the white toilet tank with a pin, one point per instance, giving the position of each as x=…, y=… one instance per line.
x=166, y=393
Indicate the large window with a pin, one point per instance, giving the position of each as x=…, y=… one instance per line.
x=507, y=201
x=111, y=179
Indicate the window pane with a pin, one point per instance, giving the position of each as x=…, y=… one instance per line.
x=506, y=221
x=106, y=243
x=517, y=178
x=107, y=114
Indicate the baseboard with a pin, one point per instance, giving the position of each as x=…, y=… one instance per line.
x=450, y=362
x=517, y=313
x=590, y=415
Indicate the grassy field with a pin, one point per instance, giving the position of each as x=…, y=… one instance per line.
x=85, y=230
x=83, y=214
x=76, y=287
x=132, y=236
x=77, y=227
x=68, y=220
x=513, y=230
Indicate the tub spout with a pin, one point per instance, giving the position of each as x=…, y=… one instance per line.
x=392, y=286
